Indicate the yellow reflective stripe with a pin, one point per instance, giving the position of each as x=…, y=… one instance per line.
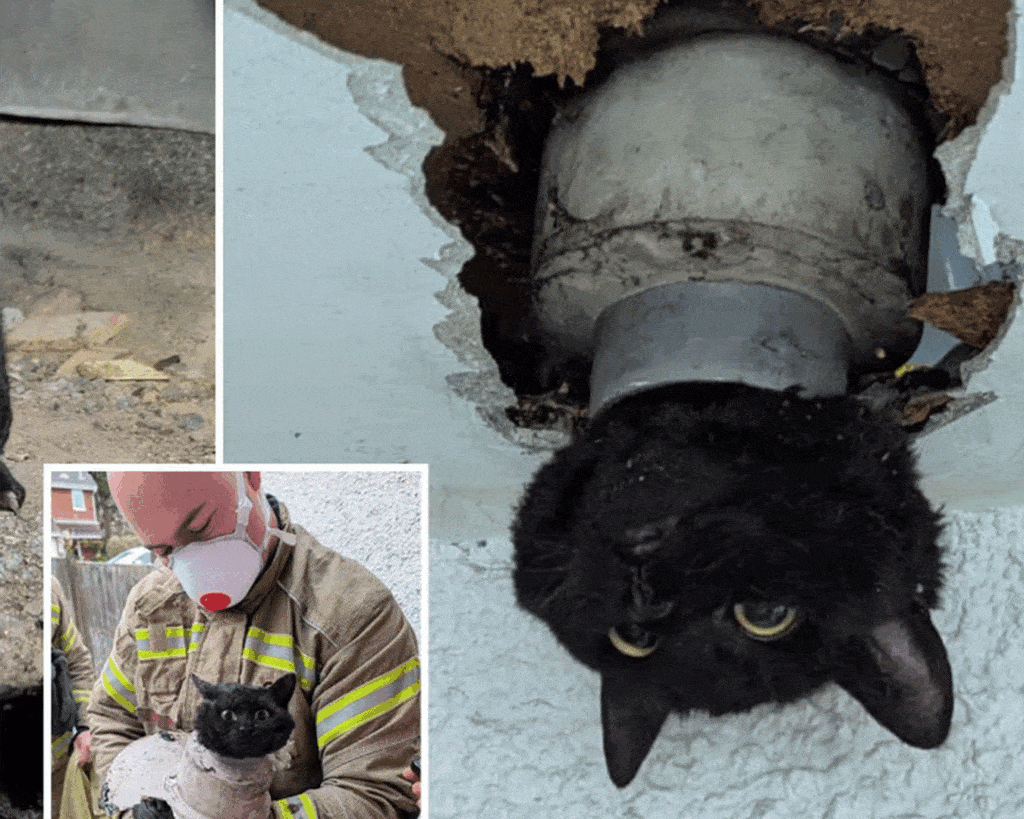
x=368, y=701
x=297, y=806
x=194, y=632
x=175, y=638
x=270, y=638
x=117, y=686
x=308, y=806
x=145, y=654
x=81, y=694
x=278, y=651
x=263, y=659
x=59, y=746
x=67, y=639
x=195, y=635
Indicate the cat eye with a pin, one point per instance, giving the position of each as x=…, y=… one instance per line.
x=227, y=715
x=765, y=620
x=641, y=643
x=262, y=714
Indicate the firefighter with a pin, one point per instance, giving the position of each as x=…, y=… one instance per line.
x=251, y=596
x=76, y=740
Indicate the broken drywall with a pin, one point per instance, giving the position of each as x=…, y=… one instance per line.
x=434, y=428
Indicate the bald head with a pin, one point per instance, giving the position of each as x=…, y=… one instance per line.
x=172, y=509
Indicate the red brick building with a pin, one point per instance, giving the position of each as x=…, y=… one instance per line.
x=73, y=511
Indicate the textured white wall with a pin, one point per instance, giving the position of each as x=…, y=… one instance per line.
x=374, y=518
x=515, y=726
x=343, y=259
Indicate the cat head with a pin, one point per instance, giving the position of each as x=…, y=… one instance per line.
x=241, y=721
x=748, y=548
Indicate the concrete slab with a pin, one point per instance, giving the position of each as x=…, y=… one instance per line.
x=112, y=61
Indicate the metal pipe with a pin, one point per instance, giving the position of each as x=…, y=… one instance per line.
x=743, y=159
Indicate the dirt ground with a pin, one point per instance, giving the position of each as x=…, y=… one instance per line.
x=110, y=218
x=99, y=218
x=165, y=288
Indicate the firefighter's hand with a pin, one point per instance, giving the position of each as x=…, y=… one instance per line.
x=408, y=774
x=83, y=747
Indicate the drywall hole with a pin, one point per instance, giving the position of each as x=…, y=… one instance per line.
x=472, y=70
x=486, y=183
x=21, y=747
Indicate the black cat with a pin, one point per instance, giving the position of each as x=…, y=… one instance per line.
x=243, y=721
x=237, y=721
x=715, y=547
x=12, y=493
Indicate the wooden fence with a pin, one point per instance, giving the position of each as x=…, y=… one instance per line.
x=96, y=593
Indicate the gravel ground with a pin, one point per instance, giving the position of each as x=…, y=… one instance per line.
x=108, y=218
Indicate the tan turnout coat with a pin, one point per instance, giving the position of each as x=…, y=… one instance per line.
x=66, y=637
x=356, y=705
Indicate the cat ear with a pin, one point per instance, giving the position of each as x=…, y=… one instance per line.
x=631, y=717
x=282, y=689
x=900, y=673
x=208, y=690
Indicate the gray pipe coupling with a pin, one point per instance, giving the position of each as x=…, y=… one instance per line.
x=720, y=332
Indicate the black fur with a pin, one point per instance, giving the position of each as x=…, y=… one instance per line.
x=242, y=721
x=152, y=809
x=12, y=493
x=679, y=503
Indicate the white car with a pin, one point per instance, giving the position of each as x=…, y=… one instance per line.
x=135, y=556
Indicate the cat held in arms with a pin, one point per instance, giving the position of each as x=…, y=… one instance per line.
x=711, y=547
x=237, y=724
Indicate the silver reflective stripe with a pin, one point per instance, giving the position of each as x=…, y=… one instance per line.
x=279, y=651
x=173, y=644
x=117, y=686
x=196, y=635
x=296, y=807
x=368, y=701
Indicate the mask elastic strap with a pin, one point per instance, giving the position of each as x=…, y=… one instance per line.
x=241, y=528
x=243, y=507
